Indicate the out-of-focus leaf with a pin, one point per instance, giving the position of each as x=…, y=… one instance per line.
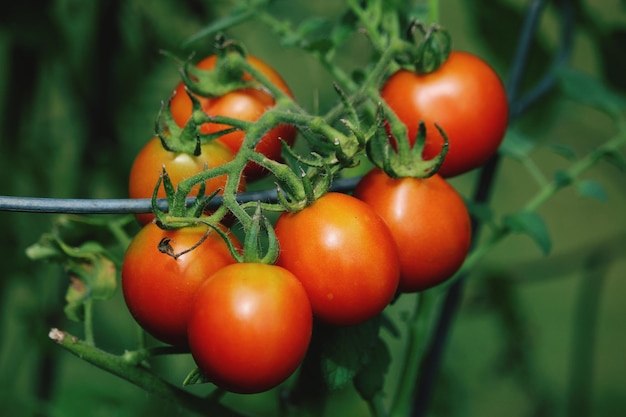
x=344, y=28
x=346, y=350
x=306, y=28
x=590, y=91
x=371, y=378
x=565, y=151
x=592, y=189
x=91, y=273
x=516, y=145
x=533, y=225
x=91, y=279
x=480, y=211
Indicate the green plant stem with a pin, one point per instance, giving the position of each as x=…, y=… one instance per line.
x=285, y=31
x=139, y=376
x=543, y=195
x=88, y=323
x=580, y=392
x=418, y=326
x=576, y=169
x=433, y=11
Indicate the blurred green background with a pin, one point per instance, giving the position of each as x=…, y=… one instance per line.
x=81, y=83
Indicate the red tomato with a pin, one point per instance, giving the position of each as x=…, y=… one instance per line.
x=428, y=220
x=246, y=104
x=158, y=288
x=344, y=255
x=465, y=97
x=250, y=327
x=149, y=162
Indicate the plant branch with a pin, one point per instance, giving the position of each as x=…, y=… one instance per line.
x=139, y=376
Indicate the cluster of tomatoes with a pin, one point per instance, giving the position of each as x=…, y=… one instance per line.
x=342, y=258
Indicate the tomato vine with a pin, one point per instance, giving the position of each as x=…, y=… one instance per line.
x=362, y=124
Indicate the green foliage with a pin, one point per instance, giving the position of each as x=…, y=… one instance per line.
x=346, y=351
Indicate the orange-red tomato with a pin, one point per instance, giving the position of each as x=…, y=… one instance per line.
x=250, y=327
x=151, y=159
x=247, y=104
x=465, y=97
x=428, y=220
x=158, y=288
x=344, y=255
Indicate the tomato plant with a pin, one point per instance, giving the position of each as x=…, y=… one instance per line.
x=149, y=162
x=317, y=288
x=465, y=97
x=246, y=104
x=344, y=255
x=428, y=220
x=250, y=327
x=159, y=282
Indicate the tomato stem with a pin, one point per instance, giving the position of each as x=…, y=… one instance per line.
x=418, y=326
x=139, y=376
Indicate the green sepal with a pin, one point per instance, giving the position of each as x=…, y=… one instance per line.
x=406, y=161
x=260, y=233
x=222, y=79
x=433, y=46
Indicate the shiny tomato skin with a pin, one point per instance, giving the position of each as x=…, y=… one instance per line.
x=428, y=220
x=250, y=327
x=159, y=289
x=149, y=162
x=344, y=255
x=247, y=104
x=465, y=97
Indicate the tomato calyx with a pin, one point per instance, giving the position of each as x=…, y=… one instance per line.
x=399, y=159
x=180, y=214
x=432, y=47
x=260, y=244
x=226, y=76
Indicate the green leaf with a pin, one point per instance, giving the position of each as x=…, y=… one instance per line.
x=305, y=29
x=480, y=211
x=92, y=275
x=533, y=225
x=311, y=25
x=587, y=90
x=344, y=28
x=370, y=380
x=91, y=278
x=516, y=145
x=565, y=151
x=592, y=189
x=346, y=350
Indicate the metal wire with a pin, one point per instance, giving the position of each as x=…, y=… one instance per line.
x=141, y=205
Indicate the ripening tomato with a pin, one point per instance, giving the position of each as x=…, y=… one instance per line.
x=158, y=288
x=149, y=162
x=250, y=327
x=428, y=220
x=247, y=104
x=344, y=255
x=465, y=97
